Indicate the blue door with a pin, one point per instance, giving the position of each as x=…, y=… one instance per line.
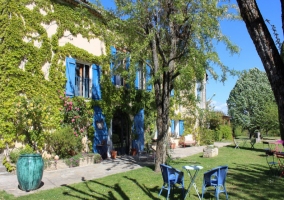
x=139, y=128
x=101, y=134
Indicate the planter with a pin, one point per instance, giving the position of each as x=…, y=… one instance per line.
x=210, y=151
x=113, y=154
x=29, y=171
x=133, y=152
x=173, y=145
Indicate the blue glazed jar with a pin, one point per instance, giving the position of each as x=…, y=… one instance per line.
x=29, y=171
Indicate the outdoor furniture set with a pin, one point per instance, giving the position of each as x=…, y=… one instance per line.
x=274, y=156
x=214, y=178
x=243, y=142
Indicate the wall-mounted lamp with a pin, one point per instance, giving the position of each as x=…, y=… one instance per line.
x=100, y=124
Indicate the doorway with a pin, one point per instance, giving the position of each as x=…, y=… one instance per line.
x=121, y=132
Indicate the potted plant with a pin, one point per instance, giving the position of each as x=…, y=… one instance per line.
x=133, y=151
x=134, y=137
x=172, y=143
x=113, y=154
x=115, y=141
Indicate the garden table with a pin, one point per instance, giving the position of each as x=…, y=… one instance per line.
x=245, y=140
x=278, y=145
x=192, y=171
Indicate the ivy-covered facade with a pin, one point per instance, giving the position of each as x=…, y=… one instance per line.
x=53, y=48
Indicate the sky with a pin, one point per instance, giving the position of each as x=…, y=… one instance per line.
x=248, y=58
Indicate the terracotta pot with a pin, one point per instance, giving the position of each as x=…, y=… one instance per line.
x=113, y=154
x=173, y=145
x=133, y=152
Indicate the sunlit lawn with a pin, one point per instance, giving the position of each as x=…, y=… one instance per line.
x=248, y=178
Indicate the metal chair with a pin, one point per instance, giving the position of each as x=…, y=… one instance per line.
x=280, y=157
x=252, y=142
x=171, y=177
x=142, y=153
x=272, y=163
x=236, y=144
x=215, y=178
x=151, y=152
x=268, y=148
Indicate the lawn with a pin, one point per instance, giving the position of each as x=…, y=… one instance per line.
x=248, y=178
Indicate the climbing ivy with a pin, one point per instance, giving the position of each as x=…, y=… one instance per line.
x=25, y=47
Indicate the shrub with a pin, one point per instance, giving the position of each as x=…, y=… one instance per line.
x=207, y=136
x=65, y=143
x=9, y=166
x=224, y=132
x=73, y=161
x=15, y=154
x=97, y=158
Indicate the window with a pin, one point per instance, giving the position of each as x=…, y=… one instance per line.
x=79, y=81
x=119, y=63
x=82, y=80
x=139, y=79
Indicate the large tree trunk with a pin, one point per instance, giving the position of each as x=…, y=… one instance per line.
x=162, y=99
x=267, y=52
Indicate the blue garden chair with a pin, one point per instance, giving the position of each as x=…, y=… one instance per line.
x=171, y=177
x=215, y=178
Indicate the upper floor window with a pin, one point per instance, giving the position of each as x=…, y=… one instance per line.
x=78, y=77
x=82, y=80
x=120, y=62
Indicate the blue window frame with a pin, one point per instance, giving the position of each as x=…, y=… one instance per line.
x=78, y=79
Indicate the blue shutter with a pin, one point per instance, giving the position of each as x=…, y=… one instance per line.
x=100, y=134
x=148, y=77
x=127, y=62
x=172, y=126
x=127, y=67
x=113, y=53
x=70, y=75
x=172, y=93
x=96, y=88
x=139, y=127
x=181, y=128
x=137, y=78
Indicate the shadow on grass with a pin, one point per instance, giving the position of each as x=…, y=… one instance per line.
x=92, y=193
x=252, y=182
x=88, y=191
x=248, y=148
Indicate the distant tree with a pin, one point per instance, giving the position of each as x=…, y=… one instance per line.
x=174, y=38
x=268, y=118
x=271, y=57
x=248, y=99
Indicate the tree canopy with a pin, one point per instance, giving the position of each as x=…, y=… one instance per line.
x=266, y=47
x=249, y=99
x=175, y=39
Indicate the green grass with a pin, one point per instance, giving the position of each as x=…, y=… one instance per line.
x=248, y=178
